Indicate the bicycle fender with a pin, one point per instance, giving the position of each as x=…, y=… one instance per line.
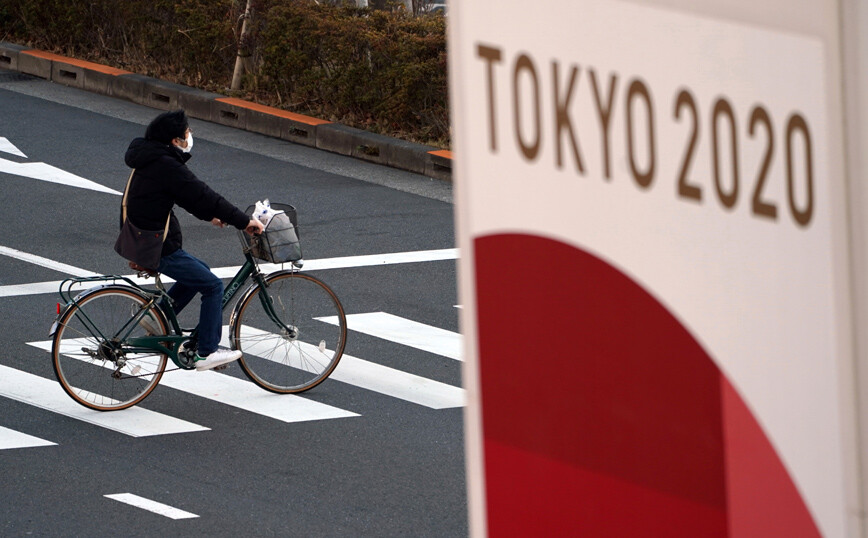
x=84, y=294
x=54, y=327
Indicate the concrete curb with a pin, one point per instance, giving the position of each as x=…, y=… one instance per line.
x=213, y=107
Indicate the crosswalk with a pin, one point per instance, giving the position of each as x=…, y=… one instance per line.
x=243, y=394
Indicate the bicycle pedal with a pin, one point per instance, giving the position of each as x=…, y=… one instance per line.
x=221, y=367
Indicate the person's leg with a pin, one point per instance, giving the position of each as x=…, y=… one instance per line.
x=181, y=295
x=194, y=276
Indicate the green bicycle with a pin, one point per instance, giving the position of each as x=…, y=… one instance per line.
x=106, y=359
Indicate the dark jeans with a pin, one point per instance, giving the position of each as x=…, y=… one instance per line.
x=192, y=276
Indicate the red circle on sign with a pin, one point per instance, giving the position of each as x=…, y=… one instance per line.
x=603, y=416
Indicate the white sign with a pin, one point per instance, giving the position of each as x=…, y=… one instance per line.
x=686, y=153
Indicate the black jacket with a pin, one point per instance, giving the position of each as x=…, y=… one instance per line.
x=160, y=181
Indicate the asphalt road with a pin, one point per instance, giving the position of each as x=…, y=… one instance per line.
x=245, y=463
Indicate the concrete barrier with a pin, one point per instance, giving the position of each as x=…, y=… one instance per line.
x=380, y=149
x=405, y=155
x=9, y=55
x=130, y=87
x=34, y=64
x=161, y=94
x=197, y=103
x=274, y=121
x=439, y=164
x=67, y=71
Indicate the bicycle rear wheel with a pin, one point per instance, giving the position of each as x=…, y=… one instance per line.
x=91, y=359
x=289, y=347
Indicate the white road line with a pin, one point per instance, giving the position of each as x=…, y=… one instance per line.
x=346, y=262
x=47, y=394
x=398, y=384
x=8, y=147
x=246, y=395
x=404, y=331
x=239, y=393
x=52, y=174
x=45, y=262
x=385, y=380
x=151, y=506
x=36, y=288
x=13, y=439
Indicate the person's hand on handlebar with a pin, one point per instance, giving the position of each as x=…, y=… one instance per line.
x=254, y=227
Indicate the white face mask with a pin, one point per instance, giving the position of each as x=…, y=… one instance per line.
x=189, y=141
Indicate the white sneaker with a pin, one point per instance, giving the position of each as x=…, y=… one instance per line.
x=221, y=356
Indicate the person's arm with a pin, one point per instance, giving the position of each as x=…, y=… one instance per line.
x=253, y=227
x=203, y=202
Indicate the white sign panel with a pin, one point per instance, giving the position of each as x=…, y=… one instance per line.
x=681, y=155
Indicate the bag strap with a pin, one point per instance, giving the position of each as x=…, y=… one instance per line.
x=124, y=206
x=124, y=201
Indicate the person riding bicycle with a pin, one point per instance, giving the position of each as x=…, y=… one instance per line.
x=160, y=181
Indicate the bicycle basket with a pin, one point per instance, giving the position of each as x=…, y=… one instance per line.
x=279, y=242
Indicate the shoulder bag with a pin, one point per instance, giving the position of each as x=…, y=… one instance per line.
x=143, y=247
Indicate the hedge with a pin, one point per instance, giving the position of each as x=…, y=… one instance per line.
x=384, y=71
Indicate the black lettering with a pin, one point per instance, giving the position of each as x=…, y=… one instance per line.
x=525, y=64
x=638, y=89
x=562, y=117
x=802, y=215
x=604, y=113
x=490, y=55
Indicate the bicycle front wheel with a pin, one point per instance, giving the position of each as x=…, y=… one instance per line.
x=91, y=357
x=292, y=332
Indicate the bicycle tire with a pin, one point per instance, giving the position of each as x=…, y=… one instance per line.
x=90, y=359
x=273, y=357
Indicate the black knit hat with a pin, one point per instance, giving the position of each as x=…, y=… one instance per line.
x=167, y=126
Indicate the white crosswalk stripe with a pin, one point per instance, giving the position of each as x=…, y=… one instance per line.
x=13, y=439
x=47, y=394
x=404, y=331
x=245, y=395
x=35, y=288
x=151, y=506
x=391, y=382
x=385, y=380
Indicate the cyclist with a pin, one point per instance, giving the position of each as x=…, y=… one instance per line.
x=162, y=180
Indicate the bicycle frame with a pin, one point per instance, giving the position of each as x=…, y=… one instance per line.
x=168, y=344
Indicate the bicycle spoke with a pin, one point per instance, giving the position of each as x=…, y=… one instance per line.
x=293, y=355
x=102, y=373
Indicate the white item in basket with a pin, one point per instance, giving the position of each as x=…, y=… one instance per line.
x=263, y=213
x=283, y=239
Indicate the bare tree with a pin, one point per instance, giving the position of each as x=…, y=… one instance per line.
x=414, y=7
x=422, y=6
x=242, y=60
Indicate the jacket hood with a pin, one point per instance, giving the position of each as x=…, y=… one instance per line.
x=143, y=152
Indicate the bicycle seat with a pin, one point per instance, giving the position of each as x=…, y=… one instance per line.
x=142, y=270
